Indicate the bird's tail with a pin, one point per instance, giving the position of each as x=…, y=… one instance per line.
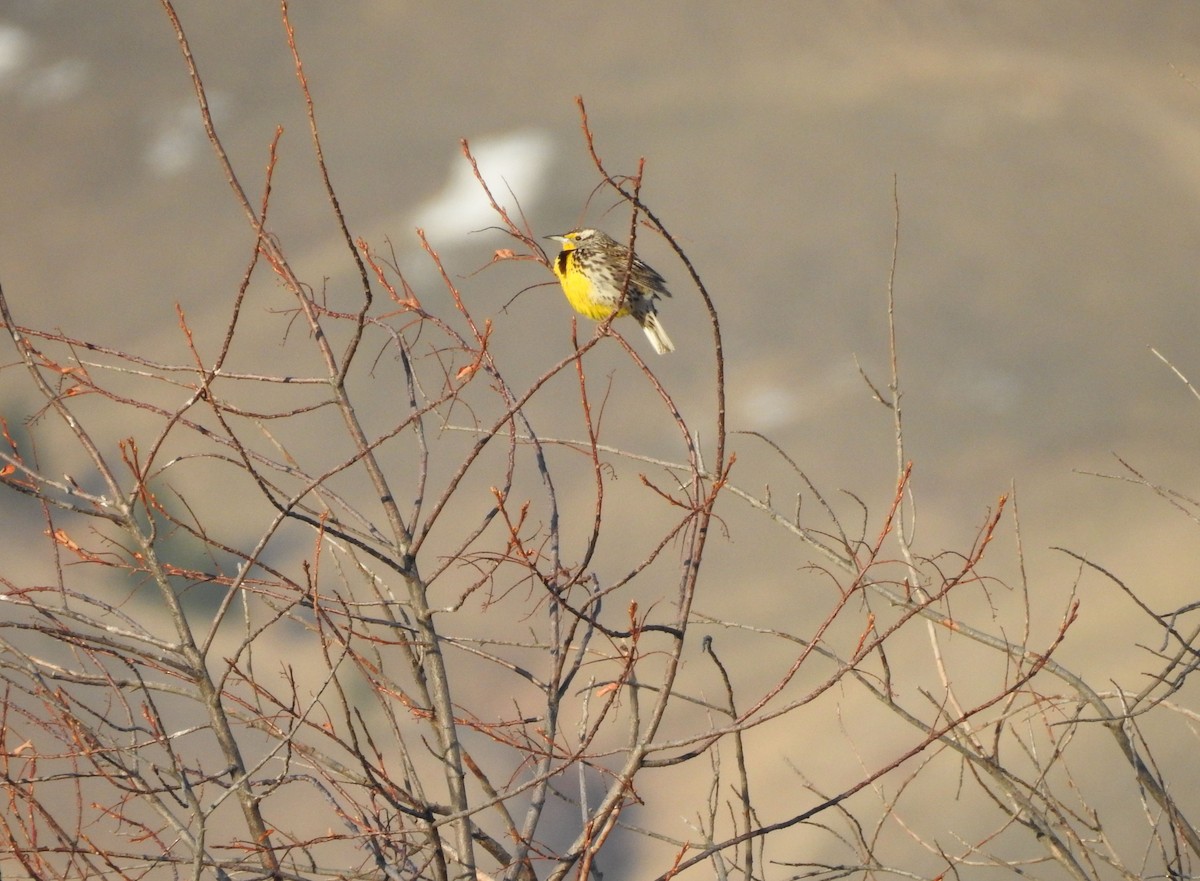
x=657, y=336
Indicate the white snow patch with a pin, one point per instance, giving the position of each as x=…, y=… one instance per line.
x=56, y=82
x=15, y=48
x=517, y=164
x=177, y=136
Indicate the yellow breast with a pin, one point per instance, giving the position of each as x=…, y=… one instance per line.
x=579, y=291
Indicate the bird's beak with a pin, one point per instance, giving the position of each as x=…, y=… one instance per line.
x=556, y=238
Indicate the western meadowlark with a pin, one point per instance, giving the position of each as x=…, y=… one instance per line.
x=591, y=269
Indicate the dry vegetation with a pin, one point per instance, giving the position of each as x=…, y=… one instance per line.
x=285, y=635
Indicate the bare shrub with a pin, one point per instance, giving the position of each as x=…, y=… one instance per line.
x=286, y=632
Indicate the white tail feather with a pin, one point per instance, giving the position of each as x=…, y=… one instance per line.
x=657, y=336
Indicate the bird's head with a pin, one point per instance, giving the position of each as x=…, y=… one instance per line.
x=576, y=237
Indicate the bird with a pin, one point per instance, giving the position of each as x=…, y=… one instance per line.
x=591, y=268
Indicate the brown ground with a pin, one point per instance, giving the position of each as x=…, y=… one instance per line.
x=1048, y=167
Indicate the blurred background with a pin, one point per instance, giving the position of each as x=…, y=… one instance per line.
x=1046, y=159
